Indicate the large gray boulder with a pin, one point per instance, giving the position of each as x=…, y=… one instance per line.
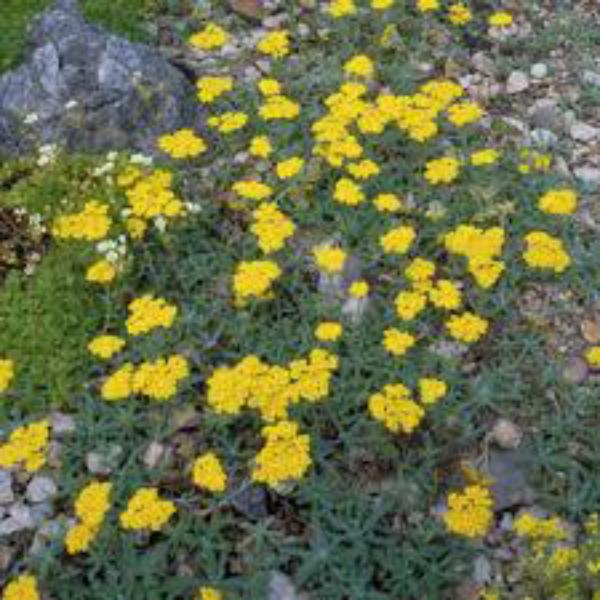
x=88, y=90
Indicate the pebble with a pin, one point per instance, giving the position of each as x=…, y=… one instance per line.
x=517, y=82
x=591, y=78
x=543, y=138
x=575, y=371
x=6, y=493
x=545, y=114
x=582, y=132
x=40, y=489
x=588, y=174
x=484, y=64
x=99, y=463
x=62, y=424
x=154, y=454
x=539, y=70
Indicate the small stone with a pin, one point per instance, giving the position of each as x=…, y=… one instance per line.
x=575, y=371
x=484, y=64
x=582, y=132
x=54, y=460
x=7, y=554
x=506, y=434
x=539, y=70
x=543, y=138
x=592, y=78
x=517, y=82
x=62, y=424
x=103, y=463
x=22, y=515
x=482, y=570
x=40, y=489
x=252, y=9
x=355, y=309
x=545, y=114
x=40, y=513
x=6, y=492
x=154, y=454
x=588, y=174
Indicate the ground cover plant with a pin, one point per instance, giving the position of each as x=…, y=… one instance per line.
x=293, y=348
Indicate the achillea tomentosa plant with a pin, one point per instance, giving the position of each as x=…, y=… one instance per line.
x=287, y=386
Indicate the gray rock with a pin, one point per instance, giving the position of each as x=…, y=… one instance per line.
x=484, y=64
x=591, y=78
x=509, y=470
x=90, y=90
x=6, y=492
x=539, y=70
x=62, y=424
x=543, y=138
x=588, y=174
x=103, y=463
x=545, y=114
x=582, y=132
x=20, y=519
x=40, y=489
x=517, y=82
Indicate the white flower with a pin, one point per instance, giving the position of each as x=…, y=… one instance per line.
x=71, y=104
x=160, y=223
x=112, y=256
x=31, y=118
x=141, y=159
x=112, y=156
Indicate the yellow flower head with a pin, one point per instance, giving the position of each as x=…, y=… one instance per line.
x=328, y=331
x=182, y=144
x=341, y=8
x=459, y=14
x=431, y=390
x=211, y=37
x=360, y=66
x=23, y=587
x=470, y=512
x=253, y=279
x=146, y=510
x=398, y=240
x=397, y=342
x=359, y=289
x=558, y=202
x=208, y=473
x=544, y=251
x=442, y=170
x=260, y=146
x=211, y=88
x=106, y=346
x=228, y=122
x=467, y=327
x=7, y=373
x=27, y=445
x=500, y=18
x=395, y=408
x=147, y=313
x=330, y=259
x=102, y=272
x=269, y=87
x=387, y=203
x=275, y=44
x=289, y=167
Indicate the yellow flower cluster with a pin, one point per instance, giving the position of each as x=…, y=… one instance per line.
x=398, y=342
x=470, y=512
x=464, y=113
x=500, y=18
x=90, y=224
x=269, y=87
x=545, y=252
x=151, y=196
x=348, y=192
x=7, y=373
x=260, y=146
x=387, y=203
x=289, y=167
x=271, y=389
x=558, y=202
x=394, y=407
x=209, y=593
x=467, y=327
x=228, y=122
x=431, y=390
x=147, y=313
x=211, y=37
x=592, y=356
x=539, y=528
x=534, y=160
x=485, y=157
x=359, y=289
x=341, y=8
x=253, y=279
x=285, y=455
x=26, y=445
x=459, y=14
x=158, y=379
x=91, y=507
x=442, y=170
x=182, y=144
x=102, y=272
x=252, y=190
x=271, y=227
x=146, y=510
x=106, y=346
x=481, y=248
x=211, y=88
x=328, y=331
x=364, y=169
x=330, y=259
x=208, y=473
x=24, y=587
x=428, y=5
x=279, y=107
x=360, y=66
x=398, y=240
x=275, y=44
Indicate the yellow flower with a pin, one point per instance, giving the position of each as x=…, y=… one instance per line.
x=381, y=4
x=558, y=202
x=397, y=342
x=23, y=587
x=409, y=304
x=182, y=144
x=431, y=390
x=152, y=196
x=129, y=176
x=470, y=512
x=445, y=294
x=328, y=331
x=487, y=156
x=159, y=379
x=7, y=373
x=420, y=272
x=209, y=593
x=146, y=510
x=545, y=252
x=592, y=356
x=329, y=258
x=271, y=227
x=290, y=167
x=387, y=203
x=395, y=408
x=538, y=528
x=348, y=192
x=341, y=8
x=442, y=170
x=106, y=346
x=90, y=224
x=359, y=289
x=253, y=279
x=459, y=14
x=275, y=44
x=360, y=66
x=398, y=240
x=279, y=108
x=467, y=327
x=118, y=386
x=260, y=146
x=228, y=122
x=102, y=272
x=208, y=473
x=147, y=313
x=136, y=228
x=27, y=445
x=463, y=113
x=285, y=455
x=252, y=190
x=211, y=88
x=427, y=5
x=500, y=19
x=364, y=169
x=210, y=38
x=269, y=87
